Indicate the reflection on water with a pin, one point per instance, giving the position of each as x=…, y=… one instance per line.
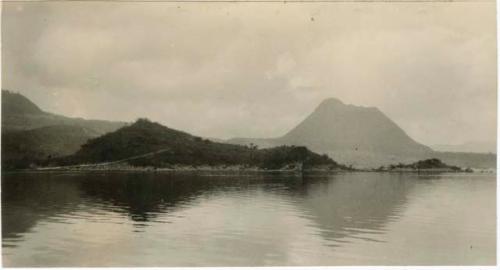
x=353, y=204
x=147, y=219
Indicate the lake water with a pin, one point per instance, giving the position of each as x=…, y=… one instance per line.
x=148, y=219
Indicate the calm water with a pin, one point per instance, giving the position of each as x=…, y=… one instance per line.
x=147, y=219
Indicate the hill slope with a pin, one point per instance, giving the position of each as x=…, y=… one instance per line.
x=19, y=113
x=173, y=147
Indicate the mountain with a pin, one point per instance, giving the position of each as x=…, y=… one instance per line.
x=19, y=113
x=146, y=143
x=354, y=134
x=339, y=127
x=361, y=136
x=471, y=147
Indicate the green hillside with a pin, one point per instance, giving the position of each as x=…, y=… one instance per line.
x=175, y=147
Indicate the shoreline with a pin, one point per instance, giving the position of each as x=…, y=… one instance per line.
x=201, y=169
x=235, y=170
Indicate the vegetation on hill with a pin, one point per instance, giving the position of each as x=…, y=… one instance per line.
x=173, y=147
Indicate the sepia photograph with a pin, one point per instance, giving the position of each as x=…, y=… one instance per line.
x=252, y=133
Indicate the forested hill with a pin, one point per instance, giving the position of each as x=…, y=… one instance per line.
x=172, y=147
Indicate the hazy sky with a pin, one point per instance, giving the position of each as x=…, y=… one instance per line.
x=257, y=69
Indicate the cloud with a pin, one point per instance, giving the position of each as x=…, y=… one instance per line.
x=257, y=69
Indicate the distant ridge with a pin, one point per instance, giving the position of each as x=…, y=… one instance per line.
x=471, y=147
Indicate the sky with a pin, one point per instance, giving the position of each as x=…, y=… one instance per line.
x=257, y=69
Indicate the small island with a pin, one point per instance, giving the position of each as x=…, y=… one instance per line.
x=427, y=165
